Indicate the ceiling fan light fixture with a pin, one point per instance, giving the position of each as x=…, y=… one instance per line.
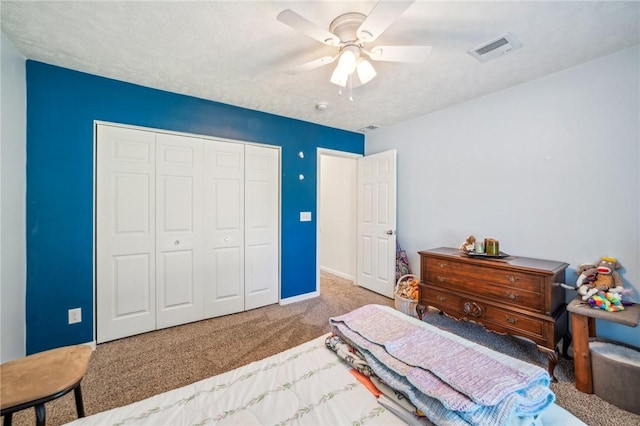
x=339, y=77
x=365, y=70
x=347, y=61
x=347, y=65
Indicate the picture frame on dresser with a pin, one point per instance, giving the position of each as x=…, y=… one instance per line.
x=513, y=295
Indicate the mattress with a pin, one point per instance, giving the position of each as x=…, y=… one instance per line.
x=305, y=385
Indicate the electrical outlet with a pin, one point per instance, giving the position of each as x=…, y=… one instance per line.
x=75, y=315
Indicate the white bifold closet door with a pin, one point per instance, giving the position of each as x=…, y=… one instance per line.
x=224, y=230
x=186, y=229
x=241, y=230
x=125, y=233
x=178, y=230
x=261, y=226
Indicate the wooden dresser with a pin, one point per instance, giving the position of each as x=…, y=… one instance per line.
x=515, y=295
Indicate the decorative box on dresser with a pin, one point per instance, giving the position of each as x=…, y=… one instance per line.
x=514, y=295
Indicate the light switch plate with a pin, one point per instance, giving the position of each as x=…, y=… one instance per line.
x=75, y=315
x=305, y=216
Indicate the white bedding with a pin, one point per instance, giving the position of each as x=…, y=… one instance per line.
x=306, y=385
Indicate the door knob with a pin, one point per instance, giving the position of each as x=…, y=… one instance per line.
x=176, y=242
x=390, y=232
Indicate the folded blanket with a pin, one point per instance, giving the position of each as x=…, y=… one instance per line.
x=452, y=380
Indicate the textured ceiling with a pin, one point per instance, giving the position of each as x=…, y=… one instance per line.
x=235, y=51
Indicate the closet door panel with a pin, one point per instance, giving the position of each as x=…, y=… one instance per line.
x=261, y=226
x=227, y=273
x=178, y=230
x=224, y=234
x=125, y=232
x=178, y=284
x=131, y=285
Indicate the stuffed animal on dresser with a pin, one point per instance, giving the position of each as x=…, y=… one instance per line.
x=469, y=244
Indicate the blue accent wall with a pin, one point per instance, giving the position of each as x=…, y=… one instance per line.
x=61, y=108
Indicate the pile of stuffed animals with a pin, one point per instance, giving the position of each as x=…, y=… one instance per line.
x=600, y=285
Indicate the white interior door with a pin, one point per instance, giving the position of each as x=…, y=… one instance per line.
x=261, y=226
x=224, y=228
x=125, y=230
x=178, y=229
x=376, y=224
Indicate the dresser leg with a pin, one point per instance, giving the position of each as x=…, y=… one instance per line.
x=566, y=342
x=420, y=311
x=552, y=357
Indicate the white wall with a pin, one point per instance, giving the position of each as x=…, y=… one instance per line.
x=12, y=203
x=337, y=237
x=550, y=168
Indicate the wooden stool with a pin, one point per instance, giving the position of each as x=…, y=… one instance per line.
x=39, y=378
x=583, y=326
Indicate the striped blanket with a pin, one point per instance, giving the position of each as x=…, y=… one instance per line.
x=452, y=380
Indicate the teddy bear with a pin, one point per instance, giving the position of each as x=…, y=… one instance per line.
x=468, y=246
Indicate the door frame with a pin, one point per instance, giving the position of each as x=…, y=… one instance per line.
x=333, y=153
x=93, y=343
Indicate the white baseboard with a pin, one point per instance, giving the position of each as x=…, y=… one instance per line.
x=299, y=298
x=337, y=273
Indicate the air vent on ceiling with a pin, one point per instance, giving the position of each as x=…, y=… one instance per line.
x=368, y=128
x=496, y=47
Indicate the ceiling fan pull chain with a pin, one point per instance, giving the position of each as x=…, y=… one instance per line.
x=351, y=87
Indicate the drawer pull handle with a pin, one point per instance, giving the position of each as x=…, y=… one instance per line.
x=514, y=296
x=472, y=309
x=512, y=279
x=442, y=265
x=441, y=298
x=441, y=279
x=511, y=320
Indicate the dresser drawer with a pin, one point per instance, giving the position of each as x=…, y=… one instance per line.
x=430, y=296
x=436, y=267
x=503, y=320
x=503, y=294
x=524, y=325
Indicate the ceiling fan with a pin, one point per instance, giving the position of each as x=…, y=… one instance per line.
x=352, y=34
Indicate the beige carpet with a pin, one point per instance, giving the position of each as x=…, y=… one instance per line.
x=134, y=368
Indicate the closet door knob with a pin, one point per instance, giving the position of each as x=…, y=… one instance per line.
x=227, y=239
x=177, y=242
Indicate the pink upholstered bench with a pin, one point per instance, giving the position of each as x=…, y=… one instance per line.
x=39, y=378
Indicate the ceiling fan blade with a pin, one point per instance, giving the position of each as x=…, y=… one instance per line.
x=297, y=22
x=381, y=17
x=414, y=54
x=307, y=66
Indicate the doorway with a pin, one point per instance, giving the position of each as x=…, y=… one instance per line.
x=337, y=214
